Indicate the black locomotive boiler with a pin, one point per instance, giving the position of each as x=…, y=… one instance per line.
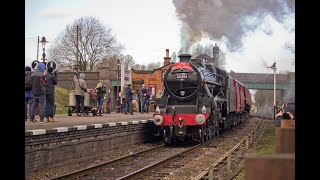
x=199, y=101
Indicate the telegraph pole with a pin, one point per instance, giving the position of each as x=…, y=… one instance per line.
x=38, y=48
x=77, y=39
x=77, y=44
x=274, y=89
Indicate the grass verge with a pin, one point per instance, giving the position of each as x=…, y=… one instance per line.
x=61, y=100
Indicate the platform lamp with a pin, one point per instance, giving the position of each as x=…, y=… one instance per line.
x=43, y=42
x=118, y=79
x=274, y=89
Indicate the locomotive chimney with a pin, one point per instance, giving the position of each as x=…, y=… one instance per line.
x=216, y=55
x=185, y=57
x=167, y=58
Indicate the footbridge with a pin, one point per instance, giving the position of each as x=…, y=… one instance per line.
x=265, y=81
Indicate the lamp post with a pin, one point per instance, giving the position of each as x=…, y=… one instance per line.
x=43, y=42
x=118, y=79
x=274, y=89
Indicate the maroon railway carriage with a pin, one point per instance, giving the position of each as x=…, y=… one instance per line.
x=199, y=101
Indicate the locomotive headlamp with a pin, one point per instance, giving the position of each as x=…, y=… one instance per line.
x=158, y=119
x=200, y=119
x=204, y=110
x=157, y=110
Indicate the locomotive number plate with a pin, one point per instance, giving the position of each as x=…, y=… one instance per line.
x=182, y=76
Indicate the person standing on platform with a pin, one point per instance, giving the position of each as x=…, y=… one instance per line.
x=51, y=80
x=100, y=90
x=80, y=92
x=38, y=92
x=139, y=100
x=128, y=100
x=144, y=99
x=27, y=92
x=123, y=100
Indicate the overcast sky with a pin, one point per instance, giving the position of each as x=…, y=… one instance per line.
x=148, y=27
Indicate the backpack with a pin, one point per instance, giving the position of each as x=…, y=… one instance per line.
x=103, y=89
x=27, y=82
x=38, y=84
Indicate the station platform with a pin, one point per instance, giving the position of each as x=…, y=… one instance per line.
x=63, y=120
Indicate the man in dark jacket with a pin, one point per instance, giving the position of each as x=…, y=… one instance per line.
x=51, y=80
x=27, y=95
x=145, y=93
x=39, y=93
x=128, y=100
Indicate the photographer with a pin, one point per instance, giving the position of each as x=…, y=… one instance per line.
x=278, y=117
x=51, y=80
x=80, y=90
x=289, y=111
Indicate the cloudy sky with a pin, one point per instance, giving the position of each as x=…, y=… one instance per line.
x=148, y=27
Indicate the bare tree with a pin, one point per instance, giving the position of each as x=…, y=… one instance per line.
x=111, y=61
x=208, y=49
x=128, y=59
x=138, y=67
x=290, y=46
x=95, y=44
x=153, y=65
x=148, y=67
x=174, y=57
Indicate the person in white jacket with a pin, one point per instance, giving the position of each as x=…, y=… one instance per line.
x=80, y=91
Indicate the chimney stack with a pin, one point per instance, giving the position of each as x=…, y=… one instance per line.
x=216, y=55
x=167, y=58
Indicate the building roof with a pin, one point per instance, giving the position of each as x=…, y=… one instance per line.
x=205, y=56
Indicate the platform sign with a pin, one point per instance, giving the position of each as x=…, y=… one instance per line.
x=34, y=64
x=51, y=64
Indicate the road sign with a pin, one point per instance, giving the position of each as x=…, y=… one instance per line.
x=51, y=64
x=34, y=64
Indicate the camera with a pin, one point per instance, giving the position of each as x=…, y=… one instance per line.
x=286, y=115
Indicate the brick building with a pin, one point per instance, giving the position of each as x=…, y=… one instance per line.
x=151, y=78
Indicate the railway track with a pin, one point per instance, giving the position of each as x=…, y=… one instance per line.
x=132, y=165
x=223, y=167
x=265, y=118
x=158, y=162
x=190, y=165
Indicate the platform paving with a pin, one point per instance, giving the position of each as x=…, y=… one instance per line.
x=63, y=120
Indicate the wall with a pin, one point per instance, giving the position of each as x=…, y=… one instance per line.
x=155, y=77
x=52, y=148
x=65, y=79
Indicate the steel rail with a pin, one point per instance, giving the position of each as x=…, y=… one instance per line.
x=88, y=169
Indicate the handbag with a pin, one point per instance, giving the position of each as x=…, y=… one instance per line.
x=85, y=90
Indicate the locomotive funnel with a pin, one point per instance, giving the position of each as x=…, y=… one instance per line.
x=185, y=57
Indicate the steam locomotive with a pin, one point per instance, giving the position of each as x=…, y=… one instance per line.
x=199, y=102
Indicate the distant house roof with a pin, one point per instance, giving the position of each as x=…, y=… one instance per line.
x=206, y=57
x=151, y=71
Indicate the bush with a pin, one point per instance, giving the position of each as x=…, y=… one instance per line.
x=61, y=100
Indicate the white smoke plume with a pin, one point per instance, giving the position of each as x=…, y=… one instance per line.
x=290, y=92
x=227, y=19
